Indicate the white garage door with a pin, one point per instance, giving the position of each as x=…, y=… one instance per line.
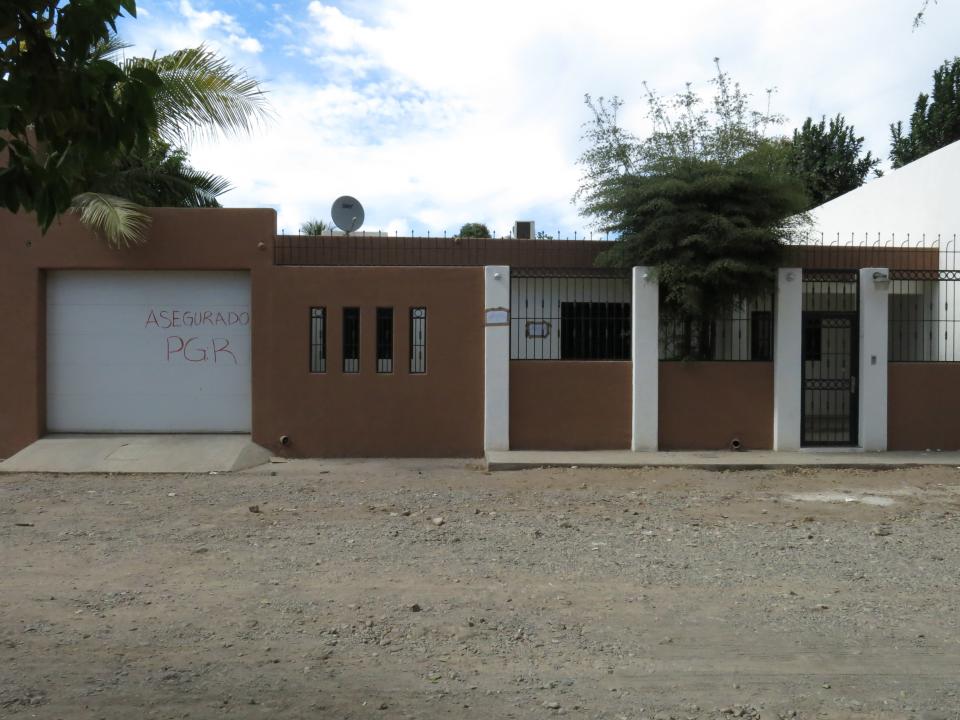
x=148, y=351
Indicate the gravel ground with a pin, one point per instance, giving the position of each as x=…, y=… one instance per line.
x=434, y=589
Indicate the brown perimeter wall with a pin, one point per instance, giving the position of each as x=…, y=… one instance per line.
x=437, y=413
x=207, y=239
x=705, y=405
x=923, y=406
x=569, y=405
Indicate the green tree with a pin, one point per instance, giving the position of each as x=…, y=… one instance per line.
x=315, y=227
x=935, y=121
x=706, y=199
x=828, y=158
x=64, y=112
x=73, y=114
x=162, y=177
x=474, y=230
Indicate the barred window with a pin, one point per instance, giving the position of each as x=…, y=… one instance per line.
x=318, y=340
x=385, y=340
x=351, y=340
x=594, y=331
x=418, y=340
x=584, y=315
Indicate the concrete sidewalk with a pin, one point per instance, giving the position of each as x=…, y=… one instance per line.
x=137, y=454
x=719, y=459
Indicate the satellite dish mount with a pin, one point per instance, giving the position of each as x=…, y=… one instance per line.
x=347, y=213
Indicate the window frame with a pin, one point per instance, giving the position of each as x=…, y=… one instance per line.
x=316, y=345
x=351, y=343
x=385, y=361
x=418, y=366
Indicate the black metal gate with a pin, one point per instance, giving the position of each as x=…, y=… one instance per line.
x=831, y=328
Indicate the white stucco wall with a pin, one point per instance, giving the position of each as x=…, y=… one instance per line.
x=919, y=199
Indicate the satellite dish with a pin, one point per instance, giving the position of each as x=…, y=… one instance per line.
x=347, y=213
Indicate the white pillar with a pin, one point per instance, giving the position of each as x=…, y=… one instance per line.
x=872, y=390
x=646, y=359
x=788, y=359
x=496, y=362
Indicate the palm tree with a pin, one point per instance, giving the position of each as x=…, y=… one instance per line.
x=315, y=227
x=199, y=95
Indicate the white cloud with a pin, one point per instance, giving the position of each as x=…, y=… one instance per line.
x=183, y=25
x=204, y=20
x=435, y=113
x=248, y=44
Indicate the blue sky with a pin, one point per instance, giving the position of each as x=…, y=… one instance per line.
x=435, y=113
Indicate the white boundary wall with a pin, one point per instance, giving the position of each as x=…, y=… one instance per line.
x=874, y=292
x=645, y=336
x=496, y=361
x=787, y=359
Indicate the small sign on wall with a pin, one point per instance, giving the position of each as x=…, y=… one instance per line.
x=497, y=316
x=538, y=329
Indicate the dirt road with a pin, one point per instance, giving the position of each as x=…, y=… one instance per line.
x=432, y=589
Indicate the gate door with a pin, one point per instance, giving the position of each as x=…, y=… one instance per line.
x=831, y=331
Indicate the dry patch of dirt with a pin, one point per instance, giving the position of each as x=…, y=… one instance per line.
x=434, y=589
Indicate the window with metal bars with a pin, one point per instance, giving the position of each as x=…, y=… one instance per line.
x=581, y=316
x=351, y=340
x=418, y=340
x=385, y=340
x=924, y=325
x=594, y=331
x=318, y=340
x=740, y=331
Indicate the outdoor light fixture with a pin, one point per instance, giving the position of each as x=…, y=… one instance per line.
x=881, y=276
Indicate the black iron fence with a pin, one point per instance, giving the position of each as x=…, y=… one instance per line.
x=923, y=316
x=576, y=315
x=741, y=331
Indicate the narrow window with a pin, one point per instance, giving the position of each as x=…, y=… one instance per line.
x=418, y=340
x=384, y=340
x=351, y=340
x=318, y=340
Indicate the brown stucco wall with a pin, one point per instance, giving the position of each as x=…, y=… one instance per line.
x=567, y=405
x=207, y=239
x=420, y=251
x=704, y=405
x=834, y=257
x=923, y=406
x=437, y=413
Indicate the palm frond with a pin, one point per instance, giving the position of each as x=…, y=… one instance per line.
x=163, y=181
x=202, y=94
x=107, y=49
x=122, y=223
x=205, y=187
